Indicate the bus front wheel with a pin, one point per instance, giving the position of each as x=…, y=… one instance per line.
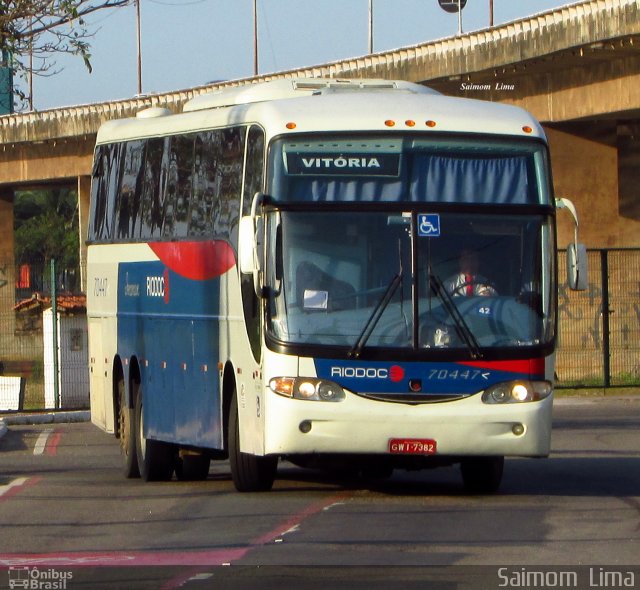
x=155, y=458
x=482, y=475
x=250, y=473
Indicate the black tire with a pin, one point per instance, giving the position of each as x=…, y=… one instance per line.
x=192, y=467
x=155, y=458
x=482, y=475
x=250, y=473
x=127, y=434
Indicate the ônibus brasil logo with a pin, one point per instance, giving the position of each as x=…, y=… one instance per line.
x=395, y=373
x=33, y=578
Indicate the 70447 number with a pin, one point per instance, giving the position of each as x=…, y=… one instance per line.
x=454, y=374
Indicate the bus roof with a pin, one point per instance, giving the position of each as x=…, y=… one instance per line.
x=304, y=105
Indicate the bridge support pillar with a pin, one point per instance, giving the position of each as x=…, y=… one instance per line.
x=84, y=194
x=6, y=223
x=7, y=274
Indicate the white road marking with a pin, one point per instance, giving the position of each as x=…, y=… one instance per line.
x=16, y=483
x=41, y=443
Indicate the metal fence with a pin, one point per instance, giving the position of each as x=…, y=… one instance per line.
x=599, y=332
x=599, y=329
x=43, y=356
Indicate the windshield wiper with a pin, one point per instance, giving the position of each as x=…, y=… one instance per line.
x=461, y=326
x=375, y=316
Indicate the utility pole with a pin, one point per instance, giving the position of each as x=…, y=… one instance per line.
x=490, y=13
x=139, y=47
x=255, y=37
x=31, y=66
x=370, y=26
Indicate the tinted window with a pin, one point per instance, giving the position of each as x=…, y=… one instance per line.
x=173, y=187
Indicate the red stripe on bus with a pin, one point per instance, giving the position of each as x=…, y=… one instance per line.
x=528, y=366
x=198, y=261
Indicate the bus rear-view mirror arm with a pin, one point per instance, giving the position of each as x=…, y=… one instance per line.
x=251, y=243
x=577, y=273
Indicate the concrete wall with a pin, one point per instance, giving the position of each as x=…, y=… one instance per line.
x=55, y=160
x=587, y=173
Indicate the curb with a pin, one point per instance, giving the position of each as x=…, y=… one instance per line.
x=43, y=418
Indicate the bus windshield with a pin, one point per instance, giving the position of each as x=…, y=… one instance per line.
x=383, y=260
x=372, y=279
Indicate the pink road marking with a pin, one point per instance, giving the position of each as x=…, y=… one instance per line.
x=297, y=519
x=17, y=486
x=123, y=558
x=51, y=447
x=281, y=529
x=196, y=560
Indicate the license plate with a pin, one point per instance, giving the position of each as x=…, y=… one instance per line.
x=412, y=446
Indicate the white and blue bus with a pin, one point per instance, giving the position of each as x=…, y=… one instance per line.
x=276, y=273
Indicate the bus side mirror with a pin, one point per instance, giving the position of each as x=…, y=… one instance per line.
x=250, y=249
x=576, y=253
x=577, y=267
x=247, y=245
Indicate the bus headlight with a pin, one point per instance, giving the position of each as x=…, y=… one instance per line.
x=308, y=388
x=517, y=391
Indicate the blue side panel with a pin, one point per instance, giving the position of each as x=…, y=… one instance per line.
x=171, y=324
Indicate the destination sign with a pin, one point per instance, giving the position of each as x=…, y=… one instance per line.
x=348, y=164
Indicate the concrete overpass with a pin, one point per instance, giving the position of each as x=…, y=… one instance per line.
x=577, y=69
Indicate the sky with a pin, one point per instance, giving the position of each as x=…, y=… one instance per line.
x=188, y=43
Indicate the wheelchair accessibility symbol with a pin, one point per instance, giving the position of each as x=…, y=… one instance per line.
x=429, y=225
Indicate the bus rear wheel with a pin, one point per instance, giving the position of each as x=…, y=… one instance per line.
x=155, y=458
x=482, y=475
x=250, y=473
x=127, y=433
x=192, y=467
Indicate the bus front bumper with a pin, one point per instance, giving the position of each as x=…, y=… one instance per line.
x=357, y=425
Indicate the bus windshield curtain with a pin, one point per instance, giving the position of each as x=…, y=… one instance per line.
x=433, y=179
x=467, y=180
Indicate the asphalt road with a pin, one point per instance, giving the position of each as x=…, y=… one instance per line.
x=68, y=515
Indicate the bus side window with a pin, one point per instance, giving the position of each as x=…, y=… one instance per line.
x=129, y=196
x=201, y=201
x=116, y=165
x=183, y=146
x=152, y=189
x=254, y=162
x=106, y=174
x=98, y=226
x=231, y=187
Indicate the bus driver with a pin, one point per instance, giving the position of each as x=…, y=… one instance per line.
x=468, y=282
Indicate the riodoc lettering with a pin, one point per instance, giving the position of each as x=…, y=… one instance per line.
x=360, y=372
x=155, y=286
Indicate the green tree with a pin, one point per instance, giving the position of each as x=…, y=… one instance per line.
x=46, y=227
x=33, y=32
